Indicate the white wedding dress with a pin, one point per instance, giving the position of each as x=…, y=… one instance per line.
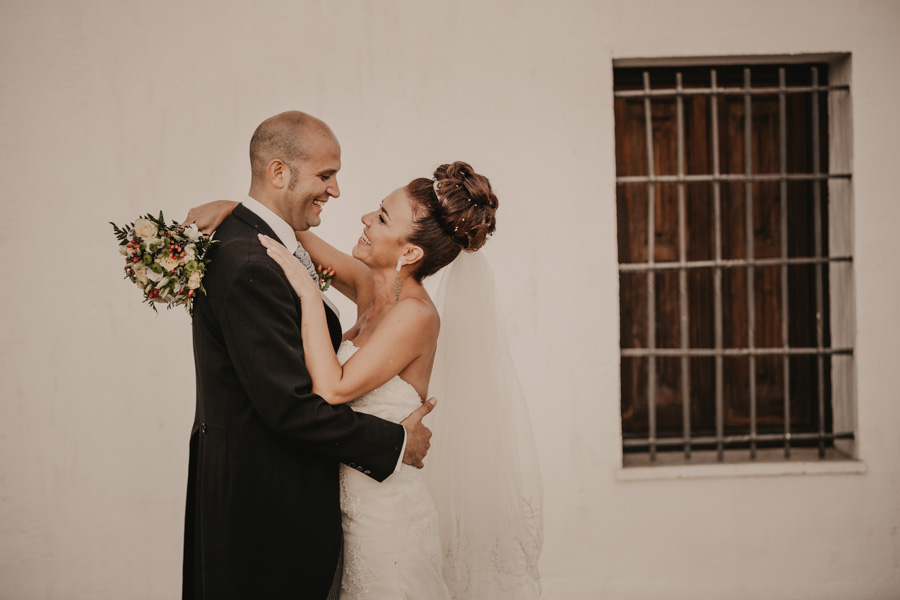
x=392, y=544
x=469, y=526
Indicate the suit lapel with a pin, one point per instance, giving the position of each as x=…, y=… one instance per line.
x=255, y=221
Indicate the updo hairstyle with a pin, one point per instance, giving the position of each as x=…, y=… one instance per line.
x=455, y=211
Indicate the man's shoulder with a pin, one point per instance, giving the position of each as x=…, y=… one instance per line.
x=237, y=234
x=235, y=225
x=242, y=225
x=234, y=253
x=237, y=249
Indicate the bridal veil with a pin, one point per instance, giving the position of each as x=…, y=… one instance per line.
x=482, y=467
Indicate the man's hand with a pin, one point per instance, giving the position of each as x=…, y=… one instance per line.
x=417, y=435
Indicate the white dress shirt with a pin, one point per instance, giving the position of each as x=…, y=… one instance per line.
x=286, y=236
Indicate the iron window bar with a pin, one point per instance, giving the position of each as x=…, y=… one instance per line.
x=651, y=267
x=748, y=236
x=717, y=279
x=682, y=282
x=785, y=303
x=651, y=280
x=731, y=91
x=730, y=177
x=733, y=262
x=817, y=220
x=707, y=352
x=734, y=439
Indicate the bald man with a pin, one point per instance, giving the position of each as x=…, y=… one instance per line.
x=263, y=505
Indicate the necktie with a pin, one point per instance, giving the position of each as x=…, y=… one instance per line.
x=306, y=261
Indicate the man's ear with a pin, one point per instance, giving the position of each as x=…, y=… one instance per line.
x=278, y=174
x=412, y=254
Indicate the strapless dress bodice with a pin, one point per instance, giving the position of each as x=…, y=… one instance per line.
x=392, y=401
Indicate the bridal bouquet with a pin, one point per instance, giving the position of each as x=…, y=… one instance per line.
x=166, y=262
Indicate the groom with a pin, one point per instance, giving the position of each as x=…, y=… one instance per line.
x=263, y=508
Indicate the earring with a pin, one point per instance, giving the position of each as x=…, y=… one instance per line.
x=397, y=283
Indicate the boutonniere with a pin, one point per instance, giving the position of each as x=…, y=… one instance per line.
x=325, y=276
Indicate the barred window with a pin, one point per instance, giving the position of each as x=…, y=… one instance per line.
x=735, y=260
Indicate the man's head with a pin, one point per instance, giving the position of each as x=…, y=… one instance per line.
x=294, y=160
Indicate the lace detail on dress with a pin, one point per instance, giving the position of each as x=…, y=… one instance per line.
x=357, y=576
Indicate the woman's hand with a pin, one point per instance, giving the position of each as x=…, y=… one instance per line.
x=297, y=275
x=209, y=216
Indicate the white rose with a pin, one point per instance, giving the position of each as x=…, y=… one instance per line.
x=191, y=232
x=145, y=228
x=140, y=273
x=168, y=263
x=153, y=240
x=154, y=277
x=190, y=253
x=194, y=281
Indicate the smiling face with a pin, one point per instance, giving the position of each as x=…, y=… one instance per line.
x=311, y=183
x=383, y=238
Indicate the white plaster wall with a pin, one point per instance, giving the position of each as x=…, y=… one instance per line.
x=111, y=108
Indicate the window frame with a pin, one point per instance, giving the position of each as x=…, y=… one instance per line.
x=840, y=280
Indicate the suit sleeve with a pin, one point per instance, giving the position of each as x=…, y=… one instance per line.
x=259, y=320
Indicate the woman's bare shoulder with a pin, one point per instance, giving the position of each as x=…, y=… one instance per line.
x=412, y=316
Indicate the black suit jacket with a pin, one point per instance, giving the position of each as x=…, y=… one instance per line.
x=263, y=506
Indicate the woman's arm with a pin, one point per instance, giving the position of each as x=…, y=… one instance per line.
x=351, y=277
x=209, y=216
x=407, y=332
x=400, y=338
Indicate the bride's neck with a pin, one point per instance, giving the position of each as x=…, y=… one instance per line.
x=384, y=284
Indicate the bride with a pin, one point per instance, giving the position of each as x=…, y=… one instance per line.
x=477, y=533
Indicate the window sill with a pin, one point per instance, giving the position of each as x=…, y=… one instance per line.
x=769, y=463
